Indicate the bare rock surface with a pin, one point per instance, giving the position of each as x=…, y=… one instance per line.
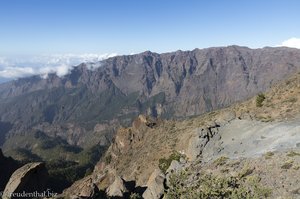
x=155, y=185
x=30, y=178
x=200, y=139
x=249, y=138
x=84, y=188
x=117, y=188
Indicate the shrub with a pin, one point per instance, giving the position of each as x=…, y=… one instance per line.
x=292, y=100
x=245, y=172
x=135, y=196
x=269, y=154
x=221, y=161
x=259, y=99
x=108, y=159
x=293, y=153
x=287, y=165
x=296, y=167
x=213, y=186
x=257, y=189
x=164, y=163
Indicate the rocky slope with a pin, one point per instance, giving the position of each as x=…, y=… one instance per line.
x=250, y=149
x=178, y=84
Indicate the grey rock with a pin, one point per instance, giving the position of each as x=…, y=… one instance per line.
x=199, y=140
x=117, y=188
x=250, y=138
x=155, y=185
x=84, y=188
x=182, y=160
x=174, y=167
x=30, y=178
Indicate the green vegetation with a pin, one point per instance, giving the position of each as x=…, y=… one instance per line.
x=221, y=161
x=245, y=172
x=254, y=186
x=293, y=154
x=213, y=186
x=135, y=196
x=164, y=163
x=65, y=163
x=292, y=100
x=288, y=164
x=296, y=167
x=269, y=155
x=265, y=119
x=63, y=173
x=107, y=159
x=260, y=99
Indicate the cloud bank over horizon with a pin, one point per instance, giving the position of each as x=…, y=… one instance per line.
x=292, y=43
x=61, y=64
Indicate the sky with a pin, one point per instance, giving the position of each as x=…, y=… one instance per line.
x=91, y=28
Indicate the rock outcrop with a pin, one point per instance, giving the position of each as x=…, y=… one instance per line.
x=84, y=188
x=200, y=138
x=155, y=185
x=126, y=138
x=117, y=188
x=30, y=178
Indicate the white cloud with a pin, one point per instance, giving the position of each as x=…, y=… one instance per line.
x=61, y=64
x=15, y=72
x=292, y=43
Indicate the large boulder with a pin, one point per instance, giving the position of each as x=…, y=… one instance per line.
x=155, y=185
x=117, y=188
x=31, y=178
x=84, y=188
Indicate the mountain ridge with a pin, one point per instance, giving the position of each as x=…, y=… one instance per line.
x=175, y=84
x=53, y=77
x=77, y=115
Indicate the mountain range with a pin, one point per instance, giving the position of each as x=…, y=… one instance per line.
x=169, y=85
x=76, y=115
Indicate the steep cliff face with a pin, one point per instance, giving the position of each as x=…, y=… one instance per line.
x=112, y=92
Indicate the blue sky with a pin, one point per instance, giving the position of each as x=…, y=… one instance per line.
x=124, y=27
x=42, y=36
